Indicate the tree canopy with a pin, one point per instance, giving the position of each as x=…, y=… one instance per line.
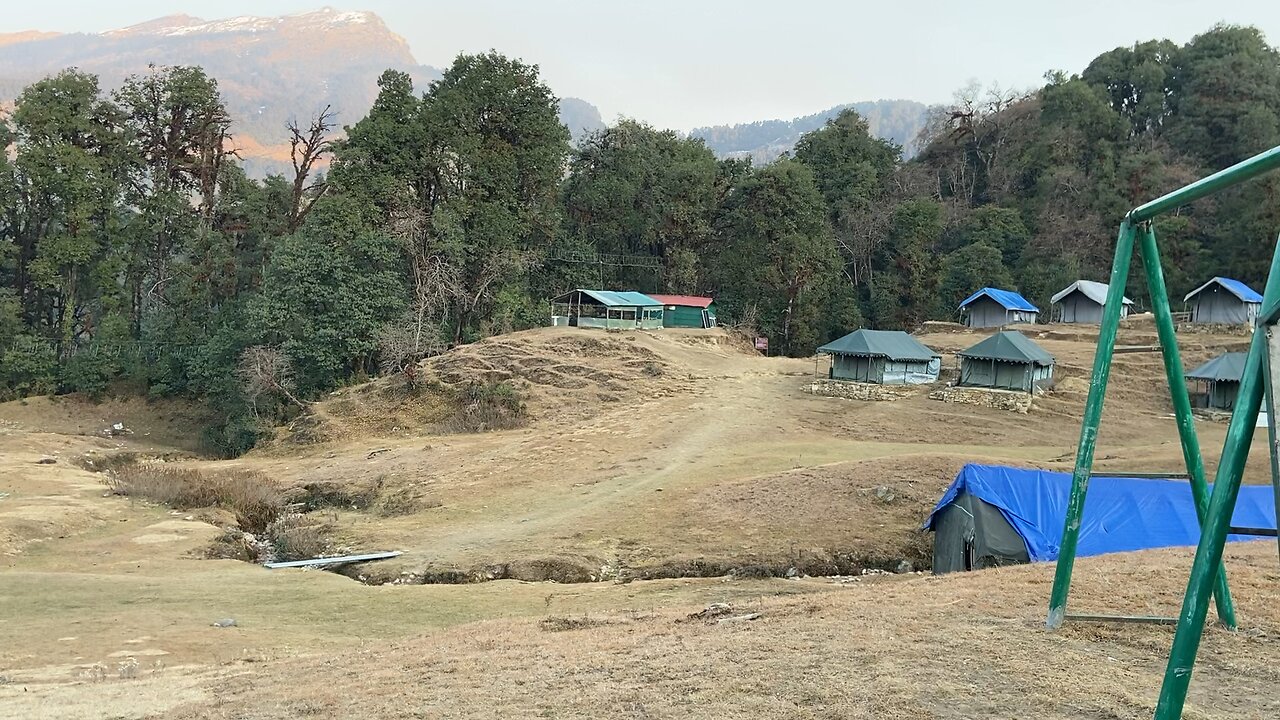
x=136, y=256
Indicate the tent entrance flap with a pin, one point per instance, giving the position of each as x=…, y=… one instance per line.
x=970, y=534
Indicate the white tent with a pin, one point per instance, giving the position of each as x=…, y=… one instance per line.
x=1082, y=302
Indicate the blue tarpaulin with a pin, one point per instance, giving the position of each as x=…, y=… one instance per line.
x=1120, y=514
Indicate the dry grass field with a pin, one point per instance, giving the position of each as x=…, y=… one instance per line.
x=549, y=570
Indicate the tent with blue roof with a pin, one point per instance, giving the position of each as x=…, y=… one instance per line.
x=1223, y=300
x=992, y=515
x=606, y=309
x=993, y=307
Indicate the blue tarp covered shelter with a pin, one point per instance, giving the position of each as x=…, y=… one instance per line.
x=993, y=307
x=993, y=515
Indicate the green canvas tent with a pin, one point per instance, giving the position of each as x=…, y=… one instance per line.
x=889, y=357
x=1007, y=360
x=1218, y=381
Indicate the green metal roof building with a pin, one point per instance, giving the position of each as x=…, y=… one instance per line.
x=886, y=357
x=1007, y=360
x=1218, y=381
x=606, y=309
x=687, y=311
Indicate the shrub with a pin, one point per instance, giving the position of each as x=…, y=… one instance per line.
x=27, y=368
x=295, y=536
x=255, y=500
x=481, y=407
x=87, y=372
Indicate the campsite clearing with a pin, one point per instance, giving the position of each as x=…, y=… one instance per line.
x=656, y=454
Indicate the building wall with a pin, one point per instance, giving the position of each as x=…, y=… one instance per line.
x=652, y=320
x=687, y=316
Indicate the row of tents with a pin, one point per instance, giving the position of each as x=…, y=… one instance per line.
x=1220, y=300
x=1007, y=360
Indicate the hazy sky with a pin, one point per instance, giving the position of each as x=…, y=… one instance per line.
x=699, y=62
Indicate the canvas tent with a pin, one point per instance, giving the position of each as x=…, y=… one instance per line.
x=992, y=307
x=1007, y=360
x=1218, y=381
x=888, y=357
x=687, y=311
x=1082, y=302
x=992, y=515
x=1223, y=300
x=606, y=309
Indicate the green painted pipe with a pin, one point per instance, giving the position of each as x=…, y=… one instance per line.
x=1089, y=425
x=1213, y=536
x=1191, y=455
x=1241, y=171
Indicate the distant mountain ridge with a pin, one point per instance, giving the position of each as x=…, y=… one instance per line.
x=274, y=69
x=269, y=69
x=766, y=140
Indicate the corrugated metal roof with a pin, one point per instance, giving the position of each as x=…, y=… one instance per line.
x=690, y=300
x=1009, y=346
x=892, y=344
x=1008, y=299
x=1227, y=366
x=1095, y=291
x=1235, y=287
x=615, y=299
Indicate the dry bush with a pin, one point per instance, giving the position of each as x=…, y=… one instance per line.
x=402, y=502
x=255, y=500
x=561, y=624
x=328, y=494
x=232, y=544
x=295, y=536
x=94, y=462
x=482, y=407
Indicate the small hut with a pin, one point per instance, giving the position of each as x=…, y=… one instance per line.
x=993, y=307
x=606, y=309
x=1007, y=360
x=1223, y=300
x=1218, y=381
x=885, y=357
x=687, y=311
x=1082, y=302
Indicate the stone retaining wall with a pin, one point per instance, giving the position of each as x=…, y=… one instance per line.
x=1018, y=402
x=851, y=390
x=1214, y=329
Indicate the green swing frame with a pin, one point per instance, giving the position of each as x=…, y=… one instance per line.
x=1208, y=576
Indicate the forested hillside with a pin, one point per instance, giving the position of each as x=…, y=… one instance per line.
x=898, y=121
x=137, y=257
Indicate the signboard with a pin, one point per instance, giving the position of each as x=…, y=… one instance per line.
x=762, y=344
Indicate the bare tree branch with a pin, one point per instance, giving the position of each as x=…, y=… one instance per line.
x=264, y=370
x=307, y=149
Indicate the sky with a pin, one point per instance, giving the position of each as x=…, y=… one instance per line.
x=705, y=62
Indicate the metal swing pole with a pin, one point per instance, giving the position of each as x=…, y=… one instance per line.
x=1191, y=454
x=1213, y=535
x=1089, y=424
